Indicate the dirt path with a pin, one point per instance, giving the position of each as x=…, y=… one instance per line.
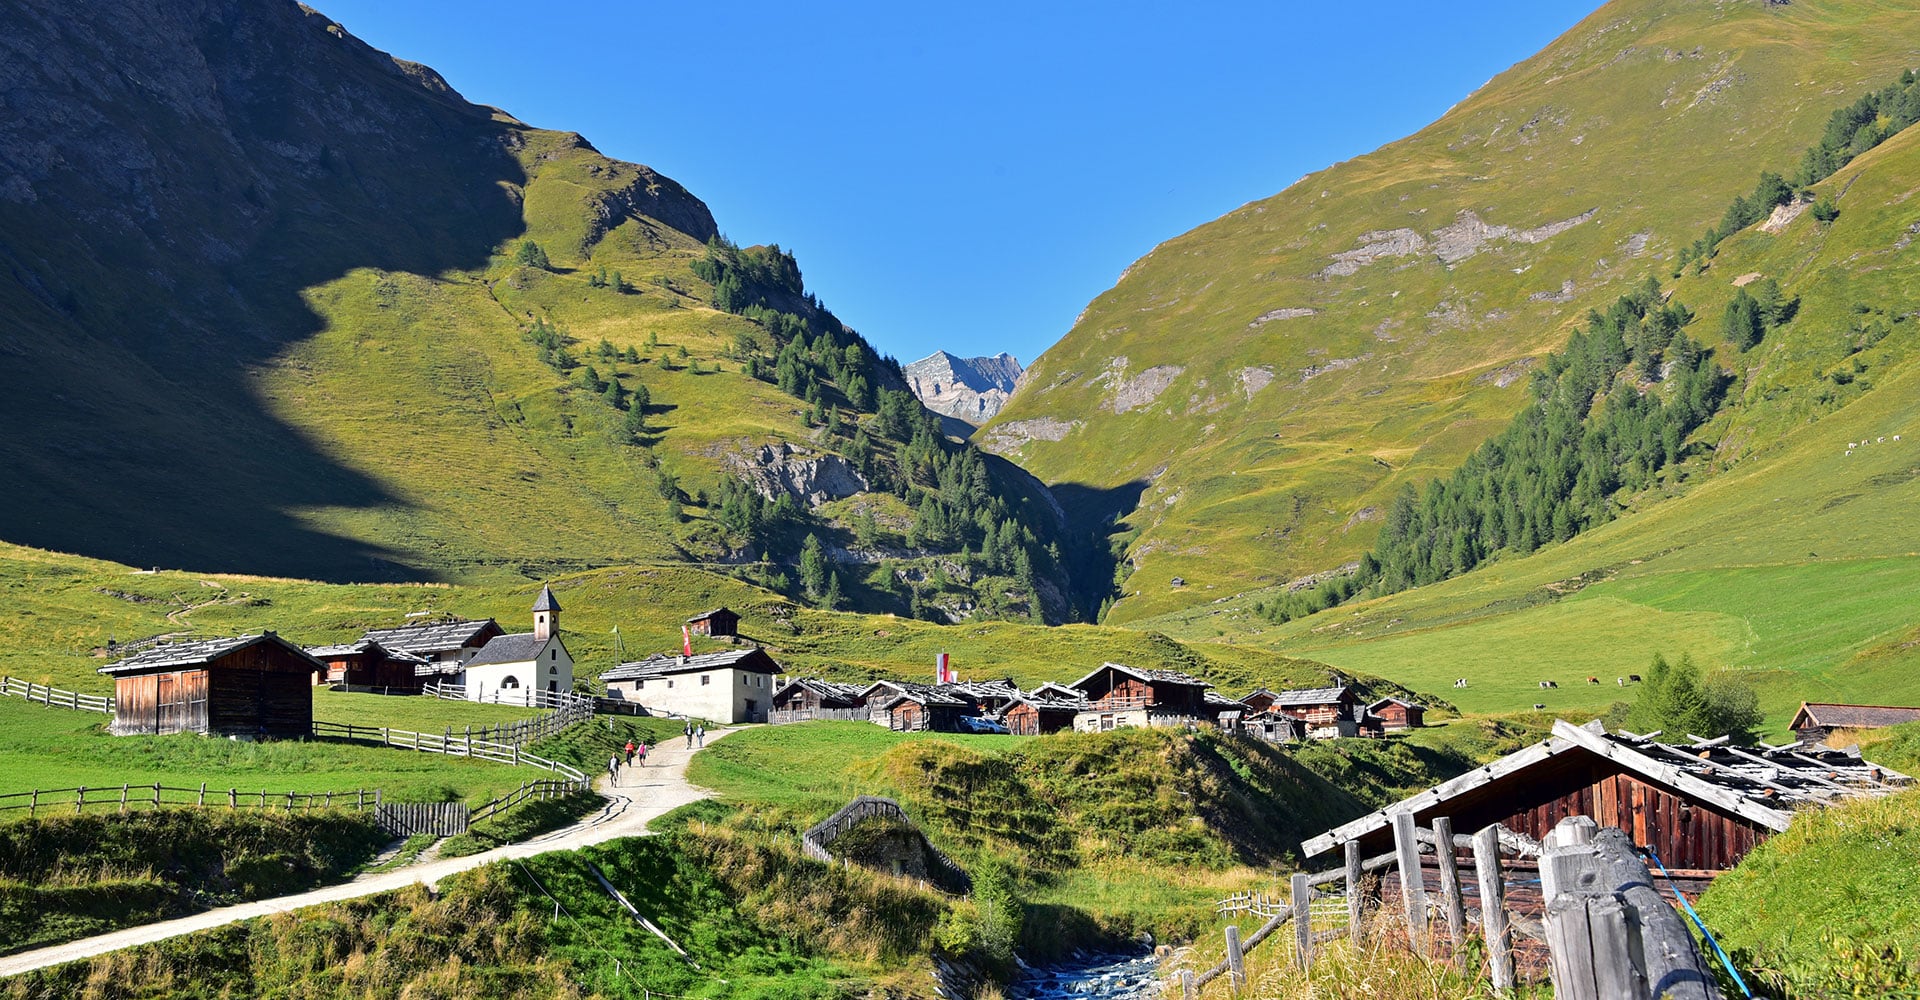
x=644, y=794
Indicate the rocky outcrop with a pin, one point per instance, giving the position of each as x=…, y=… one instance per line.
x=968, y=389
x=809, y=477
x=1132, y=393
x=1467, y=235
x=1014, y=433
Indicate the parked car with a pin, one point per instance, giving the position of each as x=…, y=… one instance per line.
x=983, y=726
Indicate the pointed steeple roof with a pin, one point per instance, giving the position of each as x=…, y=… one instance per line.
x=547, y=601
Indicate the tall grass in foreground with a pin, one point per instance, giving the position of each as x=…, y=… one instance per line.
x=1381, y=968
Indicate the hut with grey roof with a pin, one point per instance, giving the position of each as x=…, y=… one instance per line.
x=248, y=685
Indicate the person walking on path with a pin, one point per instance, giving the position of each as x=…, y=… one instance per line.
x=700, y=737
x=630, y=749
x=643, y=753
x=613, y=770
x=689, y=735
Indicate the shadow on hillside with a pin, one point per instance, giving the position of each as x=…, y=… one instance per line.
x=1096, y=531
x=170, y=255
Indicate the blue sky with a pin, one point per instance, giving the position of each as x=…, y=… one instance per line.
x=967, y=177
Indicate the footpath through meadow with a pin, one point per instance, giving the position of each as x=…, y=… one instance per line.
x=644, y=794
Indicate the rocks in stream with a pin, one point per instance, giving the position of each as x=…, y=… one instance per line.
x=1090, y=977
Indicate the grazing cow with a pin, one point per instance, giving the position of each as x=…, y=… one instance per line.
x=1633, y=678
x=1460, y=682
x=1593, y=680
x=1538, y=707
x=1621, y=681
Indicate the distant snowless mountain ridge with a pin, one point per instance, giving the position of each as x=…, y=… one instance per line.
x=969, y=389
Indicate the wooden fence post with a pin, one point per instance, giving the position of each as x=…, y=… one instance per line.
x=1493, y=908
x=1610, y=932
x=1236, y=960
x=156, y=795
x=1356, y=902
x=33, y=804
x=1413, y=888
x=123, y=800
x=79, y=799
x=233, y=798
x=1450, y=881
x=203, y=795
x=1302, y=920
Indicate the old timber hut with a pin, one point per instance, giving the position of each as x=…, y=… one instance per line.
x=1119, y=696
x=1701, y=805
x=249, y=685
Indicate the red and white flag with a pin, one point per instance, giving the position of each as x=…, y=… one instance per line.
x=686, y=640
x=942, y=673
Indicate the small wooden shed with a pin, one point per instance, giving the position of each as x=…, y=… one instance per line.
x=249, y=685
x=717, y=622
x=1039, y=713
x=1398, y=714
x=921, y=708
x=366, y=664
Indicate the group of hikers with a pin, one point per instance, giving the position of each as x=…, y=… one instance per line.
x=696, y=737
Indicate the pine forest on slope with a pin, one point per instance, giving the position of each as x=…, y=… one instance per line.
x=1247, y=401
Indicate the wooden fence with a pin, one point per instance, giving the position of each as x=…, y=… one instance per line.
x=815, y=843
x=410, y=819
x=1311, y=909
x=562, y=711
x=52, y=697
x=447, y=743
x=782, y=716
x=402, y=819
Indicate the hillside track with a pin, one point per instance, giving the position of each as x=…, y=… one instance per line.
x=646, y=792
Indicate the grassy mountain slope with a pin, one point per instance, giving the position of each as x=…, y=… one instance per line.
x=1785, y=549
x=279, y=322
x=1276, y=374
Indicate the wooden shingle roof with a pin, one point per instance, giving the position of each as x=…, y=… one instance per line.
x=1762, y=785
x=1154, y=676
x=198, y=652
x=431, y=637
x=1833, y=716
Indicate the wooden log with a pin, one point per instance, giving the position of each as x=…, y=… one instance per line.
x=1187, y=991
x=1570, y=950
x=1356, y=903
x=1302, y=921
x=1450, y=897
x=1236, y=959
x=1613, y=970
x=1413, y=889
x=1494, y=925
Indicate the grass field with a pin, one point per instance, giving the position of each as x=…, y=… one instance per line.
x=57, y=748
x=409, y=712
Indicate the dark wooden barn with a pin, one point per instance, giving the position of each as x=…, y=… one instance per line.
x=1396, y=714
x=922, y=708
x=250, y=685
x=1038, y=713
x=1817, y=723
x=804, y=699
x=1260, y=699
x=717, y=622
x=1319, y=707
x=1701, y=806
x=367, y=665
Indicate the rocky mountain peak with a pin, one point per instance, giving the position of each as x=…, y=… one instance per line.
x=969, y=389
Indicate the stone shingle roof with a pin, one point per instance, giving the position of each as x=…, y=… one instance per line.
x=363, y=646
x=516, y=648
x=827, y=690
x=1310, y=696
x=430, y=637
x=659, y=665
x=197, y=652
x=1154, y=676
x=1834, y=716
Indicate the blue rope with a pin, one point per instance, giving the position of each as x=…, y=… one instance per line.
x=1697, y=922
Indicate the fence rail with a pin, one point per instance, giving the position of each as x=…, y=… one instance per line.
x=562, y=711
x=52, y=697
x=450, y=744
x=538, y=791
x=782, y=716
x=128, y=797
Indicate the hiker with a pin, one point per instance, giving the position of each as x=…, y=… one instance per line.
x=689, y=735
x=643, y=753
x=613, y=769
x=630, y=749
x=700, y=736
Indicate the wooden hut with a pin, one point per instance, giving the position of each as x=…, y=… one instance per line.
x=1040, y=712
x=1273, y=727
x=250, y=685
x=922, y=708
x=1328, y=712
x=717, y=622
x=1817, y=723
x=802, y=699
x=1398, y=714
x=1119, y=696
x=1260, y=700
x=1702, y=806
x=367, y=665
